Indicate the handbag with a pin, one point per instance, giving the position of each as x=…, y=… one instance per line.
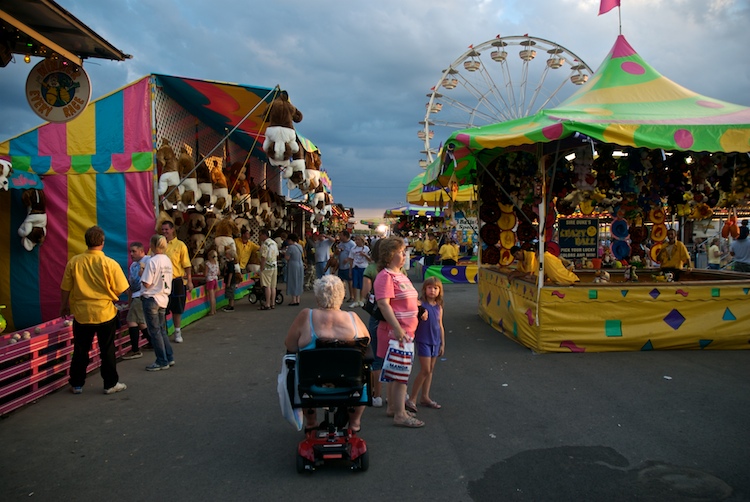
x=291, y=414
x=371, y=307
x=398, y=362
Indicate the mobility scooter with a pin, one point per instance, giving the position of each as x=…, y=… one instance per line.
x=334, y=377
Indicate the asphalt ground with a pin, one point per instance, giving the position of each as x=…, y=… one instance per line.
x=646, y=426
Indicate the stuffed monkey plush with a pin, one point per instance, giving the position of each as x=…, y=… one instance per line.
x=33, y=230
x=203, y=174
x=220, y=189
x=281, y=139
x=191, y=192
x=169, y=180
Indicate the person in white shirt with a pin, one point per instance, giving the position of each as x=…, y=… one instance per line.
x=359, y=257
x=156, y=285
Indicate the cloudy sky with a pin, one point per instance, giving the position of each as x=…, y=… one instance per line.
x=360, y=71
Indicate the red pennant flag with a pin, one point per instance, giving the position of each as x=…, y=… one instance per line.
x=608, y=5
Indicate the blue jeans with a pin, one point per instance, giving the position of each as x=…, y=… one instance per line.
x=320, y=268
x=156, y=320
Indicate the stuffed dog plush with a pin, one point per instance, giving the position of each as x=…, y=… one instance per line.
x=6, y=169
x=281, y=139
x=33, y=230
x=169, y=180
x=191, y=191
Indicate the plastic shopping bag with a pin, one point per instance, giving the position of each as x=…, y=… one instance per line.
x=292, y=415
x=398, y=362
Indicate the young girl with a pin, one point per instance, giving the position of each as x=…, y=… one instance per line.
x=212, y=279
x=429, y=344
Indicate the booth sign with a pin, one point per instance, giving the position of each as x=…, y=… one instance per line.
x=58, y=90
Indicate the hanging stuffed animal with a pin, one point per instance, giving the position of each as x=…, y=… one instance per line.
x=220, y=190
x=191, y=192
x=6, y=169
x=33, y=230
x=169, y=180
x=203, y=174
x=281, y=139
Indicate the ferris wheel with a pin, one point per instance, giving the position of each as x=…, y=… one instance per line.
x=501, y=79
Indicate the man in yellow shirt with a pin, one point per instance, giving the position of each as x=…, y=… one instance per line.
x=449, y=253
x=245, y=249
x=178, y=254
x=674, y=255
x=418, y=246
x=430, y=249
x=91, y=282
x=555, y=270
x=528, y=264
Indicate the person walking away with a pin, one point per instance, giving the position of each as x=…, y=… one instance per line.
x=295, y=269
x=430, y=249
x=177, y=252
x=368, y=279
x=157, y=284
x=91, y=283
x=359, y=259
x=741, y=251
x=322, y=243
x=714, y=255
x=212, y=279
x=136, y=320
x=245, y=249
x=397, y=299
x=269, y=254
x=230, y=278
x=346, y=244
x=429, y=344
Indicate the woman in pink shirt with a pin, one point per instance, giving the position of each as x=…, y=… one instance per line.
x=397, y=300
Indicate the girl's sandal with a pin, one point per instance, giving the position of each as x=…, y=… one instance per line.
x=411, y=423
x=410, y=406
x=431, y=404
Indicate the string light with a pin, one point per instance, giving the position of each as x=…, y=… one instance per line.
x=27, y=59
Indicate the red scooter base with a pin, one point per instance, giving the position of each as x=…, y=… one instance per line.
x=341, y=446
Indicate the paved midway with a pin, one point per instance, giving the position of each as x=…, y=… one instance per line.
x=646, y=426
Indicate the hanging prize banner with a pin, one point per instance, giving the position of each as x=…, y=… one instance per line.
x=579, y=237
x=58, y=90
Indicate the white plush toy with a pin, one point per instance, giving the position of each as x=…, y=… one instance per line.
x=5, y=171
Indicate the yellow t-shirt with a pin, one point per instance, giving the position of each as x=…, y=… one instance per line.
x=244, y=251
x=449, y=252
x=419, y=245
x=556, y=271
x=94, y=282
x=178, y=254
x=675, y=256
x=529, y=264
x=430, y=246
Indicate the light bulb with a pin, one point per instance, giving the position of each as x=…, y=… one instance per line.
x=27, y=59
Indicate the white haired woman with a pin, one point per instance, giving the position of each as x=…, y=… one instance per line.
x=327, y=322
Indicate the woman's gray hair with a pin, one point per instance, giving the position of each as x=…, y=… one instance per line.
x=329, y=291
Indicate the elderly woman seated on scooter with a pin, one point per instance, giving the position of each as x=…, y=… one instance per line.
x=326, y=322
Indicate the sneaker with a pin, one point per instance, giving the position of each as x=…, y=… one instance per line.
x=361, y=304
x=353, y=305
x=178, y=338
x=156, y=367
x=228, y=309
x=377, y=402
x=76, y=390
x=132, y=355
x=119, y=386
x=171, y=363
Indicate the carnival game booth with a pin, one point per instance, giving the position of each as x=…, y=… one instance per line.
x=104, y=168
x=684, y=154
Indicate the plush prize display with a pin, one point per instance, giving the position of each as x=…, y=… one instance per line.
x=169, y=179
x=33, y=230
x=281, y=139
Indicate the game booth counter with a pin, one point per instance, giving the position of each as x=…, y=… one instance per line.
x=641, y=150
x=106, y=167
